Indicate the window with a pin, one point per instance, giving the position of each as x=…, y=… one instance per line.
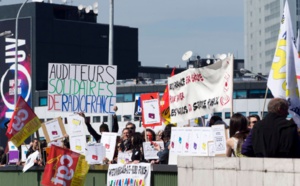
x=96, y=119
x=127, y=117
x=253, y=113
x=243, y=113
x=43, y=101
x=239, y=94
x=105, y=118
x=257, y=93
x=264, y=114
x=119, y=117
x=124, y=98
x=218, y=114
x=227, y=115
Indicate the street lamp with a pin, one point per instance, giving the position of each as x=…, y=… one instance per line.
x=16, y=54
x=111, y=43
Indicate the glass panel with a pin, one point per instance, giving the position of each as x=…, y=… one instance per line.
x=239, y=94
x=253, y=113
x=218, y=114
x=127, y=117
x=96, y=119
x=128, y=98
x=227, y=115
x=119, y=117
x=43, y=101
x=105, y=118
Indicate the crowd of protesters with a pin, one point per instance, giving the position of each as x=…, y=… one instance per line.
x=273, y=136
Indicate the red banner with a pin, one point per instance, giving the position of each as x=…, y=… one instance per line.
x=64, y=168
x=164, y=104
x=23, y=123
x=150, y=109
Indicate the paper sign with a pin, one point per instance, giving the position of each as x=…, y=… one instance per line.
x=30, y=160
x=11, y=146
x=108, y=139
x=24, y=150
x=124, y=157
x=13, y=157
x=149, y=151
x=78, y=144
x=95, y=153
x=219, y=139
x=150, y=110
x=54, y=129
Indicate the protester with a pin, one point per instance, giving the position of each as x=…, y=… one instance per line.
x=253, y=119
x=275, y=136
x=150, y=135
x=103, y=127
x=159, y=135
x=238, y=131
x=163, y=154
x=2, y=157
x=125, y=144
x=131, y=126
x=34, y=146
x=137, y=146
x=217, y=120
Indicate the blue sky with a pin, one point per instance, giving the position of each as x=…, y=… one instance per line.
x=169, y=28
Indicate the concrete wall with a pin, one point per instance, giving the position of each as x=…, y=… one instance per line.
x=223, y=171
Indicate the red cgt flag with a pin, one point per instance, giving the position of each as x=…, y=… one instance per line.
x=23, y=123
x=164, y=103
x=64, y=168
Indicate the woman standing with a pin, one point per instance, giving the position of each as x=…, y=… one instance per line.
x=238, y=131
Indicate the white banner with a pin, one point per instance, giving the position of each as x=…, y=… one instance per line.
x=30, y=160
x=200, y=91
x=81, y=88
x=129, y=174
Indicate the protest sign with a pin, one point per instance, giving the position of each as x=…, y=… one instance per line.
x=77, y=133
x=30, y=160
x=150, y=109
x=124, y=157
x=219, y=139
x=129, y=174
x=109, y=139
x=78, y=144
x=13, y=156
x=11, y=146
x=82, y=88
x=199, y=91
x=24, y=150
x=64, y=168
x=95, y=153
x=149, y=151
x=54, y=129
x=190, y=141
x=24, y=123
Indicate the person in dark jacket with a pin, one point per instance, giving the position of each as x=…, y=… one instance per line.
x=103, y=127
x=274, y=136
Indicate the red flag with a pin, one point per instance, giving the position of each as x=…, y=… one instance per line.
x=64, y=168
x=164, y=103
x=23, y=123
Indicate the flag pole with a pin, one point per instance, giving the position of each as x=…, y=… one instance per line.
x=263, y=109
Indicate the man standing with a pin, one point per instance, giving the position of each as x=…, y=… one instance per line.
x=275, y=136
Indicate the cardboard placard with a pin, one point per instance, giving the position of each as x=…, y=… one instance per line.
x=54, y=129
